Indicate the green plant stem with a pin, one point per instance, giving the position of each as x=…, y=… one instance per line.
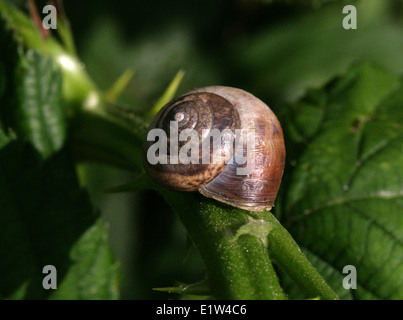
x=289, y=257
x=237, y=268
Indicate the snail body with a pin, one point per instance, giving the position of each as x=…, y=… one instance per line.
x=252, y=184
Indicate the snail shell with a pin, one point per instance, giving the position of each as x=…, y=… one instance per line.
x=226, y=109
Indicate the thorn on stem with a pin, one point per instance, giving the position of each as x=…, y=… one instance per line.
x=58, y=4
x=33, y=11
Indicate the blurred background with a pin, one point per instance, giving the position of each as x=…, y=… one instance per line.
x=273, y=49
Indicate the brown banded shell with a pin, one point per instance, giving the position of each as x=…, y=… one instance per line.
x=200, y=112
x=221, y=108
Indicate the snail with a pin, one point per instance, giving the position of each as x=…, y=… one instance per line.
x=251, y=131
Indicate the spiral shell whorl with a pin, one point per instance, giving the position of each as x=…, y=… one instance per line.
x=202, y=113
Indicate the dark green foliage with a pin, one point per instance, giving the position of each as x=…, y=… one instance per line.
x=341, y=196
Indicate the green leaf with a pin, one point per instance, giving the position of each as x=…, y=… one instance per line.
x=39, y=114
x=46, y=219
x=31, y=105
x=21, y=24
x=93, y=274
x=78, y=89
x=310, y=47
x=343, y=200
